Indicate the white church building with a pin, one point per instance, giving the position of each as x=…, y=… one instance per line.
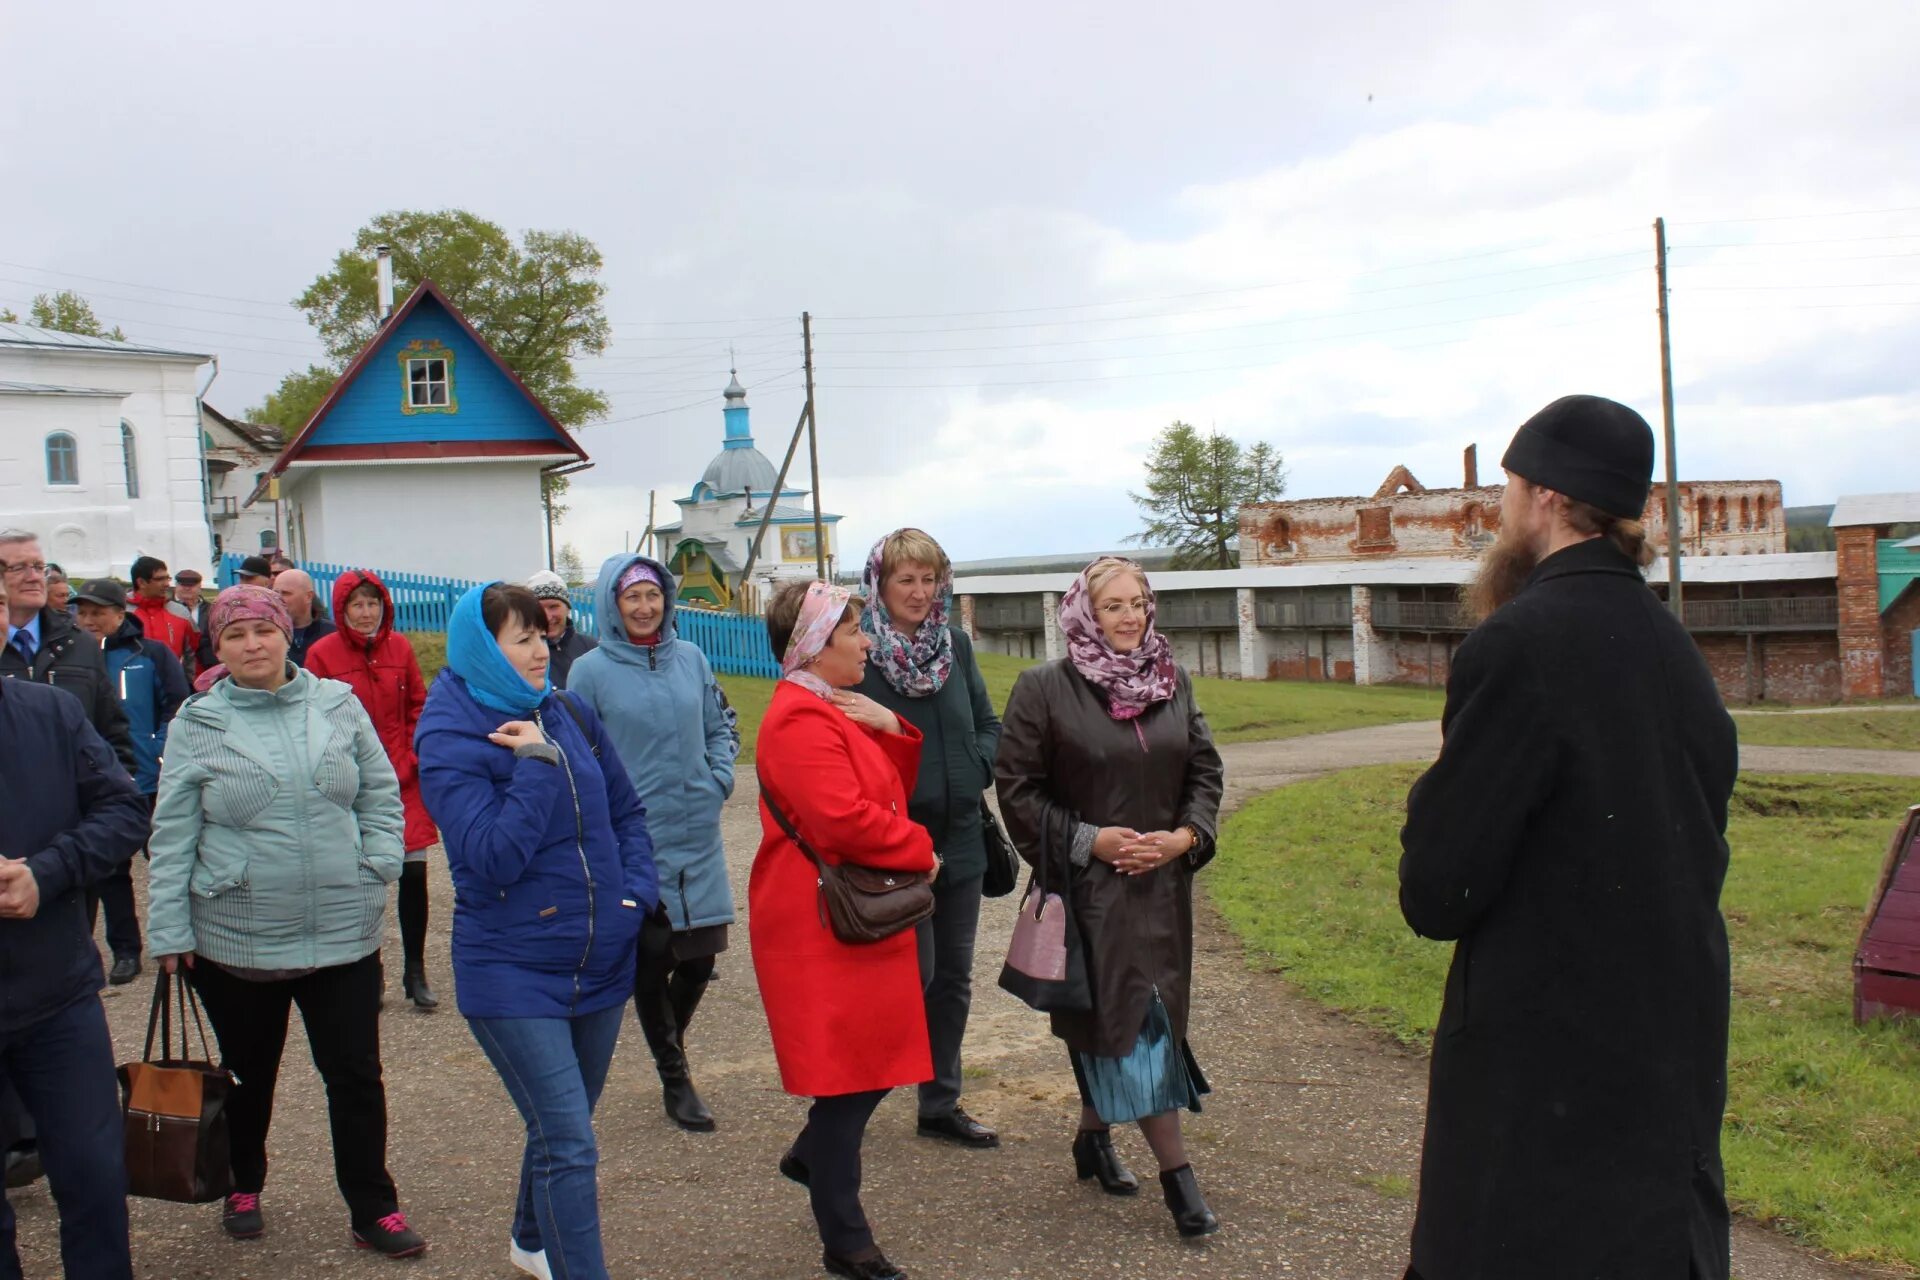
x=100, y=450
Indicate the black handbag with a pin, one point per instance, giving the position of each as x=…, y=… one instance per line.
x=175, y=1108
x=1046, y=963
x=861, y=904
x=1003, y=861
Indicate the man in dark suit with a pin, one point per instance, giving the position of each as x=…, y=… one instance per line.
x=1571, y=838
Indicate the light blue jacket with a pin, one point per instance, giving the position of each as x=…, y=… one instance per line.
x=662, y=709
x=277, y=828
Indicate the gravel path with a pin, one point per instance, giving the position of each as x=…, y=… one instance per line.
x=1307, y=1149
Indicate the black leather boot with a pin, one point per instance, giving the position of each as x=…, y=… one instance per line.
x=677, y=1094
x=1094, y=1157
x=1190, y=1212
x=413, y=981
x=869, y=1265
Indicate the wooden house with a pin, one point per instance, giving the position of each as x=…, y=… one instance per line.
x=1886, y=966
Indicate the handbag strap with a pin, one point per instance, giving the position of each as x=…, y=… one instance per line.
x=158, y=1018
x=792, y=832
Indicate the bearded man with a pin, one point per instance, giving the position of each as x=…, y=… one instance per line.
x=1571, y=839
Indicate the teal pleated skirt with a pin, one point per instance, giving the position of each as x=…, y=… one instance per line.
x=1157, y=1076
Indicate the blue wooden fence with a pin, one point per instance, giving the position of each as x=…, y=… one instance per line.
x=734, y=645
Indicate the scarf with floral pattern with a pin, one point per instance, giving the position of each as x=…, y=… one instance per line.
x=915, y=667
x=1132, y=681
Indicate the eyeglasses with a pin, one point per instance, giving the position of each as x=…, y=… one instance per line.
x=1116, y=608
x=27, y=569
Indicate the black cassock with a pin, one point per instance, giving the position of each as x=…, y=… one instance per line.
x=1572, y=838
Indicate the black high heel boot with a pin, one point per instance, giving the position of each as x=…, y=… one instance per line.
x=677, y=1094
x=1094, y=1157
x=1190, y=1212
x=413, y=982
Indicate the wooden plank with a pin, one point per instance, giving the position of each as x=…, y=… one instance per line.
x=1894, y=957
x=1897, y=905
x=1884, y=995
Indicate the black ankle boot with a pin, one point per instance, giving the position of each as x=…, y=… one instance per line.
x=414, y=983
x=683, y=1103
x=1190, y=1212
x=1094, y=1157
x=870, y=1265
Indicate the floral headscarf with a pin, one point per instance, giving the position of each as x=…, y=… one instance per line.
x=820, y=613
x=916, y=668
x=1132, y=681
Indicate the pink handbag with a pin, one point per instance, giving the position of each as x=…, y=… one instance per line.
x=1045, y=966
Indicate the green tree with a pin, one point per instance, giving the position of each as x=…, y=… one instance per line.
x=1196, y=486
x=68, y=312
x=537, y=303
x=9, y=316
x=571, y=566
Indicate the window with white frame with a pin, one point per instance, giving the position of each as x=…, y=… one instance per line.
x=63, y=458
x=427, y=383
x=129, y=458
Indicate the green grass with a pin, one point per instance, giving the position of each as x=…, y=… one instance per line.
x=1822, y=1134
x=1237, y=710
x=1877, y=730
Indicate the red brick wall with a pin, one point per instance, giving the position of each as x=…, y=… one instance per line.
x=1861, y=638
x=1420, y=662
x=1787, y=666
x=1897, y=626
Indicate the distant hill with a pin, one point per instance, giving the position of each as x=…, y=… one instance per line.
x=1807, y=528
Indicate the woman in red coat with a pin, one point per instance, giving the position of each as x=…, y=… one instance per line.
x=377, y=662
x=848, y=1021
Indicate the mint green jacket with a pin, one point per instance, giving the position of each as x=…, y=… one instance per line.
x=277, y=829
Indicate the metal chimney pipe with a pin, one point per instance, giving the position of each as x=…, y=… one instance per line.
x=383, y=278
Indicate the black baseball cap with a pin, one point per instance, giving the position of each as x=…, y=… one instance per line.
x=187, y=578
x=103, y=591
x=256, y=567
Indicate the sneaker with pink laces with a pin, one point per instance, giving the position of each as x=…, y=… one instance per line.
x=390, y=1235
x=240, y=1216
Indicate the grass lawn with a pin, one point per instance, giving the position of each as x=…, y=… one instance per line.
x=1239, y=711
x=1822, y=1133
x=1878, y=730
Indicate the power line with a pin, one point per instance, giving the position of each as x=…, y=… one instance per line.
x=1799, y=217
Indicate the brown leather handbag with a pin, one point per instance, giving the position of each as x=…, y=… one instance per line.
x=175, y=1108
x=861, y=904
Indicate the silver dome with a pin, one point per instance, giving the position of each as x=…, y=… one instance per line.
x=739, y=471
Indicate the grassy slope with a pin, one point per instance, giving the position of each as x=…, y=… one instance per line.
x=1879, y=730
x=1823, y=1124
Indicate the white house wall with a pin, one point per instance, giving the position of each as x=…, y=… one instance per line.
x=465, y=520
x=94, y=528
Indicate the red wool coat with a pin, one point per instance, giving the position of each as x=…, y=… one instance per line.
x=845, y=1018
x=384, y=674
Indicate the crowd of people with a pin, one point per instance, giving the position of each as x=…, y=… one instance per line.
x=575, y=783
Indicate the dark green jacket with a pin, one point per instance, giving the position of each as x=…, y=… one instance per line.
x=961, y=733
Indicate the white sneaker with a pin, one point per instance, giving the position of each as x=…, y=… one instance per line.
x=534, y=1264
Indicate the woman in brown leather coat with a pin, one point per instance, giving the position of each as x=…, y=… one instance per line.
x=1107, y=772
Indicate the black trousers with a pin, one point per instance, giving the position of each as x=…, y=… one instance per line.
x=413, y=914
x=341, y=1009
x=946, y=973
x=830, y=1148
x=115, y=892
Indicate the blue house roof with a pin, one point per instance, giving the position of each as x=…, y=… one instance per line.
x=478, y=408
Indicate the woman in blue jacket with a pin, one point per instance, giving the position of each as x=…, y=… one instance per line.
x=659, y=701
x=552, y=875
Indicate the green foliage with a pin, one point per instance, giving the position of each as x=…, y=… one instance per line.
x=1876, y=730
x=1822, y=1134
x=537, y=303
x=68, y=312
x=1195, y=488
x=571, y=566
x=9, y=316
x=290, y=405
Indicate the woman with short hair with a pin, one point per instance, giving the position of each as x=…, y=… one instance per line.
x=1108, y=775
x=275, y=835
x=848, y=1020
x=657, y=696
x=924, y=671
x=552, y=875
x=371, y=657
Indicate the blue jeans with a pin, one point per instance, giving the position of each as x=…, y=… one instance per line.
x=62, y=1068
x=554, y=1069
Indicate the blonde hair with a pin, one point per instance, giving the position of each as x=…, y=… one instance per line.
x=1107, y=568
x=912, y=546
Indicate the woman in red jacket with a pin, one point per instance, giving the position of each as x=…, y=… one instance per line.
x=378, y=663
x=848, y=1021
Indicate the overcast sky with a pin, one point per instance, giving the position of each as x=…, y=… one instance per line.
x=1032, y=234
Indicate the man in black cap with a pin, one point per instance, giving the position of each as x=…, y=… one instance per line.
x=255, y=571
x=1571, y=838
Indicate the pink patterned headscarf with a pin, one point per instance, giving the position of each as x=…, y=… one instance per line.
x=820, y=613
x=637, y=572
x=1132, y=681
x=248, y=604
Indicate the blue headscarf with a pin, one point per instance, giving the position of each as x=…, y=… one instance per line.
x=474, y=655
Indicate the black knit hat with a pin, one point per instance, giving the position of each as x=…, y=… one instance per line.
x=1593, y=450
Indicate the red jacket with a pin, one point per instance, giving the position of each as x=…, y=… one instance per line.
x=845, y=1018
x=160, y=623
x=384, y=674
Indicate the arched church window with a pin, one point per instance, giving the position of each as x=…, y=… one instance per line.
x=63, y=458
x=129, y=458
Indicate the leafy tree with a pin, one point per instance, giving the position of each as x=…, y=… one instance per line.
x=9, y=316
x=1196, y=486
x=571, y=566
x=68, y=312
x=537, y=303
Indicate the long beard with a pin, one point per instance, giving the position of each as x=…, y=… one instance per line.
x=1504, y=569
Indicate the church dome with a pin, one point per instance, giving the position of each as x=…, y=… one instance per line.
x=739, y=471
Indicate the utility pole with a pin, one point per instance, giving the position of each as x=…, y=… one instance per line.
x=647, y=537
x=766, y=515
x=1675, y=595
x=813, y=450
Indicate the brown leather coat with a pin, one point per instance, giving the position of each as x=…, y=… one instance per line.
x=1064, y=761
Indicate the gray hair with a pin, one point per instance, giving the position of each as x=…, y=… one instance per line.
x=17, y=535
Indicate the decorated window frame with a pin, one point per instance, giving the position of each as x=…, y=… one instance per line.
x=426, y=378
